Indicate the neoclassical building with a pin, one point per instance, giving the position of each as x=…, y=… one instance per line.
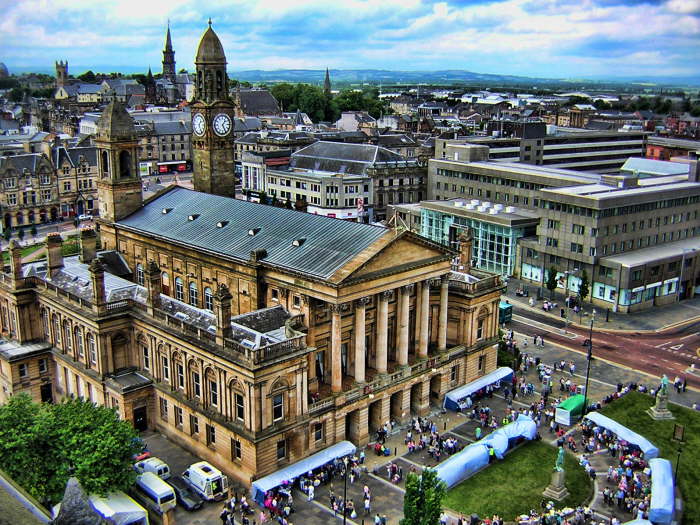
x=251, y=335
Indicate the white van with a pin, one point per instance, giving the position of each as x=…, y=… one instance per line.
x=207, y=481
x=156, y=465
x=155, y=492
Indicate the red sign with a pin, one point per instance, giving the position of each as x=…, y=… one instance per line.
x=181, y=167
x=162, y=169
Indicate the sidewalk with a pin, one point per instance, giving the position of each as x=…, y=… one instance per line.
x=656, y=318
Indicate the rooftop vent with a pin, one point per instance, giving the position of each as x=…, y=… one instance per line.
x=298, y=242
x=510, y=209
x=470, y=206
x=493, y=211
x=166, y=210
x=253, y=231
x=221, y=224
x=459, y=204
x=476, y=202
x=193, y=217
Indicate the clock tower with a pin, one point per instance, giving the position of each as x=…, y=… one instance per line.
x=212, y=120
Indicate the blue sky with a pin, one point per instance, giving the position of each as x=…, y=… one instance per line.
x=547, y=38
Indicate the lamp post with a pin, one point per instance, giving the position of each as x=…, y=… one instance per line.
x=345, y=491
x=680, y=275
x=589, y=356
x=678, y=435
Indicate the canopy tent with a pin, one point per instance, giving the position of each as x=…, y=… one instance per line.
x=662, y=499
x=453, y=398
x=475, y=456
x=638, y=522
x=276, y=479
x=463, y=464
x=570, y=410
x=650, y=451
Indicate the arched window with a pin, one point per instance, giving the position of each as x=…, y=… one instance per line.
x=45, y=324
x=193, y=295
x=139, y=274
x=92, y=348
x=208, y=299
x=79, y=341
x=67, y=339
x=105, y=164
x=179, y=292
x=56, y=330
x=165, y=283
x=124, y=165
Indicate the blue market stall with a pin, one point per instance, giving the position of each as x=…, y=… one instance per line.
x=662, y=499
x=624, y=433
x=455, y=398
x=291, y=472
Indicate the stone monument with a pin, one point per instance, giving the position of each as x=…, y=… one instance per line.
x=557, y=487
x=660, y=409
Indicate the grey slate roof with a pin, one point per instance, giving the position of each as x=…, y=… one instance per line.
x=178, y=127
x=256, y=102
x=328, y=243
x=342, y=157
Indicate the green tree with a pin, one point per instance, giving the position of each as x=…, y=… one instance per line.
x=422, y=503
x=7, y=233
x=20, y=234
x=16, y=94
x=551, y=283
x=88, y=76
x=41, y=443
x=584, y=286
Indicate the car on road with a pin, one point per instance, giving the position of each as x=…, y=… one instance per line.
x=85, y=217
x=186, y=497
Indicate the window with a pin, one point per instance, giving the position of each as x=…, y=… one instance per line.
x=180, y=375
x=578, y=229
x=43, y=365
x=591, y=251
x=672, y=266
x=193, y=295
x=166, y=367
x=163, y=408
x=604, y=271
x=654, y=271
x=576, y=248
x=211, y=434
x=240, y=413
x=79, y=341
x=480, y=329
x=281, y=449
x=637, y=275
x=146, y=356
x=277, y=407
x=92, y=348
x=179, y=293
x=552, y=224
x=297, y=301
x=196, y=385
x=67, y=339
x=552, y=242
x=139, y=274
x=178, y=417
x=453, y=373
x=236, y=452
x=214, y=393
x=275, y=294
x=481, y=364
x=12, y=199
x=594, y=232
x=208, y=299
x=194, y=425
x=23, y=370
x=318, y=432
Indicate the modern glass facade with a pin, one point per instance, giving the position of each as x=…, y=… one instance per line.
x=494, y=245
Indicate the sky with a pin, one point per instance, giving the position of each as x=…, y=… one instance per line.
x=538, y=38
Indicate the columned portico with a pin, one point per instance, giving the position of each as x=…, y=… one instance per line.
x=403, y=323
x=336, y=358
x=360, y=350
x=442, y=327
x=382, y=327
x=424, y=320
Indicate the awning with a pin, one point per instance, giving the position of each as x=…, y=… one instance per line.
x=622, y=432
x=453, y=398
x=653, y=285
x=662, y=498
x=276, y=479
x=671, y=280
x=638, y=289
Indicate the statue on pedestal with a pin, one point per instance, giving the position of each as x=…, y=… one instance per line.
x=660, y=409
x=559, y=465
x=557, y=487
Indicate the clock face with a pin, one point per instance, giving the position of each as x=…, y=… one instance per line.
x=222, y=124
x=198, y=124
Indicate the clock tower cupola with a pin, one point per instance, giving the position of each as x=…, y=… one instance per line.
x=212, y=120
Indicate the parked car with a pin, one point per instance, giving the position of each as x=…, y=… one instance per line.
x=85, y=217
x=186, y=497
x=155, y=465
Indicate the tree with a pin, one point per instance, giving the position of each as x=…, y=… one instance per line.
x=422, y=503
x=584, y=286
x=41, y=443
x=551, y=283
x=7, y=233
x=20, y=234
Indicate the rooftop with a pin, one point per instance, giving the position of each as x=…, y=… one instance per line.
x=651, y=167
x=654, y=253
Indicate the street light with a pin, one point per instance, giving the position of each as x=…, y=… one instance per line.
x=680, y=276
x=345, y=491
x=589, y=356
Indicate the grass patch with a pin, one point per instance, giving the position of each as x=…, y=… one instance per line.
x=27, y=250
x=514, y=486
x=630, y=411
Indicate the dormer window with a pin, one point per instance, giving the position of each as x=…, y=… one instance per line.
x=253, y=231
x=221, y=224
x=193, y=217
x=166, y=210
x=298, y=242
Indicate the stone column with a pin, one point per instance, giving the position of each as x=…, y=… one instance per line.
x=424, y=320
x=336, y=362
x=360, y=350
x=417, y=311
x=442, y=328
x=405, y=294
x=382, y=325
x=222, y=311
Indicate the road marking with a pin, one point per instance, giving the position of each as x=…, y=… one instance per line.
x=545, y=327
x=677, y=347
x=689, y=335
x=663, y=344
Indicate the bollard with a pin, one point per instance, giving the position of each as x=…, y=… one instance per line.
x=395, y=451
x=607, y=315
x=445, y=427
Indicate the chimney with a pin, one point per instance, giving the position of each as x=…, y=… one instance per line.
x=97, y=273
x=222, y=310
x=154, y=285
x=88, y=245
x=16, y=263
x=693, y=171
x=465, y=250
x=54, y=245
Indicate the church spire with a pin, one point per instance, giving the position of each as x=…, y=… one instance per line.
x=168, y=57
x=327, y=84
